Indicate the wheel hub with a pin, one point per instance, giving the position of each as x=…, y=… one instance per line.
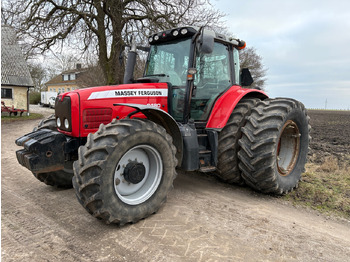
x=288, y=148
x=134, y=172
x=138, y=174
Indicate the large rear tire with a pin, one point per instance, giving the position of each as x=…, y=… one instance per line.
x=125, y=170
x=61, y=178
x=274, y=145
x=227, y=167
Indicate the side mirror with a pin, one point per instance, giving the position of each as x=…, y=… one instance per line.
x=246, y=77
x=205, y=43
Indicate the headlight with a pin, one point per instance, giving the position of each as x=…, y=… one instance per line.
x=175, y=33
x=58, y=122
x=66, y=123
x=184, y=31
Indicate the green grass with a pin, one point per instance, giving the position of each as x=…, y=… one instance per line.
x=325, y=187
x=7, y=119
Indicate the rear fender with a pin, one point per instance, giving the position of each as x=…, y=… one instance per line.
x=226, y=103
x=163, y=119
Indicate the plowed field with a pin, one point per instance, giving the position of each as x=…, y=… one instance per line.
x=330, y=135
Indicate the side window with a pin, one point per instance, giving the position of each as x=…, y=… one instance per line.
x=237, y=65
x=212, y=78
x=6, y=93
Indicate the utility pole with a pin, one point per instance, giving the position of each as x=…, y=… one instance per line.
x=325, y=104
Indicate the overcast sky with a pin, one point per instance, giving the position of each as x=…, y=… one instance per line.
x=305, y=45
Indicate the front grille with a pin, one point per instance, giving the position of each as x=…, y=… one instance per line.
x=63, y=112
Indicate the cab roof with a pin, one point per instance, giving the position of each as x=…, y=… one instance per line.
x=189, y=31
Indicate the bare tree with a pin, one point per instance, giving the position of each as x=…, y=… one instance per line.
x=39, y=76
x=250, y=59
x=91, y=76
x=101, y=26
x=64, y=61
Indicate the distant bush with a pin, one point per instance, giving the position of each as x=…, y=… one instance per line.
x=34, y=98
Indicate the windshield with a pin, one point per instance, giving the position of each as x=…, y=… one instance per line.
x=169, y=62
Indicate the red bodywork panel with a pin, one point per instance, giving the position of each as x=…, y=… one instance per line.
x=153, y=94
x=225, y=104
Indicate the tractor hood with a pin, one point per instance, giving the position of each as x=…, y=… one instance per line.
x=81, y=112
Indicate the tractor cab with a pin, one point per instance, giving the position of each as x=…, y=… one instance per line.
x=198, y=66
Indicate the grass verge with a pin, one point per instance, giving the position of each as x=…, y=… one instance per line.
x=32, y=116
x=325, y=187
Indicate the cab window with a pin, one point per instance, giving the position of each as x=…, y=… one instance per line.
x=213, y=77
x=168, y=62
x=237, y=65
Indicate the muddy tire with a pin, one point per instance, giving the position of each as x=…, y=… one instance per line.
x=227, y=168
x=274, y=145
x=61, y=178
x=125, y=171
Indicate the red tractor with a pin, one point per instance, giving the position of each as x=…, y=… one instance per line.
x=120, y=145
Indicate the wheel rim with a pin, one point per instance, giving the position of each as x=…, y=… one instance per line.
x=288, y=148
x=138, y=174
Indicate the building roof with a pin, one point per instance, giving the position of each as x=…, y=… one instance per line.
x=58, y=80
x=14, y=69
x=84, y=77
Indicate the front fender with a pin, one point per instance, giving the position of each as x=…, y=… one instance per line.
x=163, y=119
x=226, y=103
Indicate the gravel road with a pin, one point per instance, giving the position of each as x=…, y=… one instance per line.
x=203, y=220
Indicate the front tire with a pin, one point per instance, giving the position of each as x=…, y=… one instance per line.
x=274, y=145
x=125, y=171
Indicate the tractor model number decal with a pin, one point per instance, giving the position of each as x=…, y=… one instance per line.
x=128, y=93
x=155, y=105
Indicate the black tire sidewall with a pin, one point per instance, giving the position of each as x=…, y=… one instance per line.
x=297, y=116
x=110, y=197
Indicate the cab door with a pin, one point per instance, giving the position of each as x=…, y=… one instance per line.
x=213, y=77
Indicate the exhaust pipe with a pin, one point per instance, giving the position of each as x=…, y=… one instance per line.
x=130, y=64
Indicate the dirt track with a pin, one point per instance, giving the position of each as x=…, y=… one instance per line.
x=203, y=220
